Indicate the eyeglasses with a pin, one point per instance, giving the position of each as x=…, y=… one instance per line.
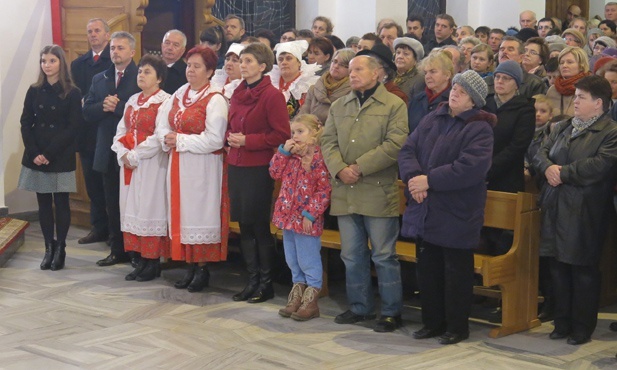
x=502, y=77
x=531, y=52
x=340, y=64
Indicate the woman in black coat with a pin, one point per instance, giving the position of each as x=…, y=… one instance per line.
x=514, y=130
x=578, y=161
x=49, y=122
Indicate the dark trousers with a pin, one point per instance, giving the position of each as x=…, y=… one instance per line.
x=96, y=193
x=446, y=286
x=111, y=184
x=576, y=291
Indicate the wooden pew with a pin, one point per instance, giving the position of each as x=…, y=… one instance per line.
x=515, y=273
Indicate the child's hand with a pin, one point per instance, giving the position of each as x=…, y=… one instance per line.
x=307, y=225
x=289, y=144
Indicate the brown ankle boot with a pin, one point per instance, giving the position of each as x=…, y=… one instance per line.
x=294, y=300
x=309, y=308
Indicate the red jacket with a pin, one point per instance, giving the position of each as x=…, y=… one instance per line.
x=303, y=193
x=261, y=114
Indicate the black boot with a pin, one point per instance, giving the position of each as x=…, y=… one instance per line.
x=265, y=290
x=188, y=277
x=59, y=255
x=249, y=253
x=141, y=265
x=50, y=248
x=200, y=280
x=152, y=270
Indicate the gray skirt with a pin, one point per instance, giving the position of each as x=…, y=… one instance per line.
x=46, y=182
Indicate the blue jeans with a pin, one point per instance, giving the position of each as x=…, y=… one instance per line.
x=356, y=231
x=303, y=258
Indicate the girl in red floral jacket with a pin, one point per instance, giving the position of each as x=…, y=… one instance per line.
x=304, y=197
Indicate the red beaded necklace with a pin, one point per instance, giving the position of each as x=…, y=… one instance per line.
x=188, y=101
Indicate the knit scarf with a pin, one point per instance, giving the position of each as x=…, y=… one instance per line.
x=400, y=78
x=578, y=125
x=431, y=95
x=330, y=84
x=565, y=86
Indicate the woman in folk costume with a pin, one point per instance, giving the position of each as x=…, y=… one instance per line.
x=143, y=216
x=292, y=76
x=229, y=77
x=192, y=129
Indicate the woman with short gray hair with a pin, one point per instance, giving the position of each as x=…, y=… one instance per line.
x=331, y=86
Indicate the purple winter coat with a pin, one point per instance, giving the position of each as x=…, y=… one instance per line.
x=455, y=153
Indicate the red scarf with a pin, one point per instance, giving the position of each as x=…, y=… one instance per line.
x=565, y=86
x=432, y=96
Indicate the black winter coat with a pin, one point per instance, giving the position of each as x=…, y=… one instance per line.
x=575, y=213
x=48, y=127
x=516, y=124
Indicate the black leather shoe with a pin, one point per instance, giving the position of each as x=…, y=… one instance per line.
x=50, y=250
x=613, y=326
x=426, y=333
x=452, y=338
x=246, y=293
x=138, y=270
x=59, y=256
x=188, y=277
x=387, y=324
x=348, y=317
x=113, y=259
x=151, y=271
x=558, y=335
x=263, y=294
x=201, y=279
x=576, y=340
x=93, y=237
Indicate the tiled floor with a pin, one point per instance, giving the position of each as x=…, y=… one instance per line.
x=89, y=317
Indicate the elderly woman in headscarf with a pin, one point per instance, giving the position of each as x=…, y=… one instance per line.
x=407, y=53
x=229, y=77
x=443, y=165
x=331, y=86
x=578, y=161
x=292, y=76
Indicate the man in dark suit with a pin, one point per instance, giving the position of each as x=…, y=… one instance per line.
x=103, y=107
x=83, y=69
x=172, y=50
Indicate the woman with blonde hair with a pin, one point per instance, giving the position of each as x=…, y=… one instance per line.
x=438, y=72
x=573, y=66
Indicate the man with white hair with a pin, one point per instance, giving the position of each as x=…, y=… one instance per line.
x=464, y=31
x=527, y=19
x=172, y=50
x=363, y=135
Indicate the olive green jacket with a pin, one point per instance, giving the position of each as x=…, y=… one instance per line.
x=370, y=136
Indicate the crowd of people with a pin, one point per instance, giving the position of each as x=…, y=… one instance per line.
x=176, y=146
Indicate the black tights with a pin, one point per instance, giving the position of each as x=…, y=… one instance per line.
x=46, y=215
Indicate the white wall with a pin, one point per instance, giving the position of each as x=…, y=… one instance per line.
x=350, y=18
x=26, y=28
x=494, y=14
x=596, y=7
